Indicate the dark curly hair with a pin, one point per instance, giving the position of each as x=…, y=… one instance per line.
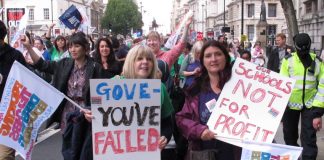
x=97, y=57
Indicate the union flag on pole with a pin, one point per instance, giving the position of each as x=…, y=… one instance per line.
x=27, y=101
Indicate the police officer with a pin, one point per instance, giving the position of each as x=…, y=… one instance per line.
x=307, y=95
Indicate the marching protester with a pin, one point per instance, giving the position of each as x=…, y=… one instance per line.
x=7, y=57
x=232, y=52
x=104, y=55
x=41, y=52
x=120, y=49
x=58, y=50
x=177, y=66
x=190, y=67
x=237, y=47
x=71, y=76
x=171, y=56
x=246, y=55
x=277, y=53
x=192, y=119
x=37, y=51
x=39, y=44
x=258, y=54
x=307, y=98
x=140, y=63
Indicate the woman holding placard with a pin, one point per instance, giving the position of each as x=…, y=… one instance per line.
x=200, y=99
x=140, y=63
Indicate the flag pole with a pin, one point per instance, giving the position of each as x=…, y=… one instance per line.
x=75, y=104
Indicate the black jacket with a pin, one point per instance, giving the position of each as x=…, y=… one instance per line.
x=61, y=71
x=77, y=139
x=273, y=57
x=8, y=55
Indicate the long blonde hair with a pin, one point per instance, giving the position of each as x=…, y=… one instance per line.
x=133, y=54
x=196, y=48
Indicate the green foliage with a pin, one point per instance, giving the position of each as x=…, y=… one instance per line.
x=122, y=15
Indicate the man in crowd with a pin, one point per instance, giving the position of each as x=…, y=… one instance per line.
x=7, y=56
x=277, y=53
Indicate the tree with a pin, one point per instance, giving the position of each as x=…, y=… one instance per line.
x=120, y=16
x=290, y=15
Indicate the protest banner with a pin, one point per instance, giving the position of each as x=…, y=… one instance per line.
x=127, y=118
x=27, y=101
x=20, y=30
x=251, y=104
x=175, y=36
x=266, y=151
x=200, y=36
x=85, y=23
x=17, y=23
x=71, y=18
x=14, y=15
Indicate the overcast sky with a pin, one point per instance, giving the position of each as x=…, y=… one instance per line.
x=160, y=10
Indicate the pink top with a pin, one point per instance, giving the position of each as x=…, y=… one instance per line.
x=172, y=55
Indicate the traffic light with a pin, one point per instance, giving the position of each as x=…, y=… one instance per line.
x=109, y=26
x=226, y=29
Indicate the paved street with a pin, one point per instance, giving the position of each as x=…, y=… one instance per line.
x=320, y=141
x=50, y=148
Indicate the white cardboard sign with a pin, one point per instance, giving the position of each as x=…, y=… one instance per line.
x=251, y=104
x=127, y=118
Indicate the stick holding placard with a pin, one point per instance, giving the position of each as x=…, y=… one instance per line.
x=229, y=138
x=75, y=104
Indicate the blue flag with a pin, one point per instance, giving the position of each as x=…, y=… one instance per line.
x=71, y=18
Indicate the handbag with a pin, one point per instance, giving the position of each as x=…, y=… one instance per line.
x=208, y=154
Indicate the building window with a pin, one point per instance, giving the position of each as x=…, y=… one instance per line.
x=231, y=13
x=46, y=13
x=31, y=14
x=316, y=5
x=308, y=7
x=272, y=10
x=272, y=30
x=322, y=6
x=250, y=29
x=250, y=10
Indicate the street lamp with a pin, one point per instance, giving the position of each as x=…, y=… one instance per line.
x=202, y=17
x=242, y=18
x=52, y=9
x=224, y=14
x=2, y=15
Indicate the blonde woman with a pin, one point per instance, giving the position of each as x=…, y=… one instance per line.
x=140, y=63
x=190, y=67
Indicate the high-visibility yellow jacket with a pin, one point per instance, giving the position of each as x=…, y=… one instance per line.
x=309, y=88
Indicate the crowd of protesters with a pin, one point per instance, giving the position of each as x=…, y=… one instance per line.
x=192, y=74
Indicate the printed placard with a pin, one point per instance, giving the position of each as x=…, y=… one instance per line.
x=27, y=101
x=266, y=151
